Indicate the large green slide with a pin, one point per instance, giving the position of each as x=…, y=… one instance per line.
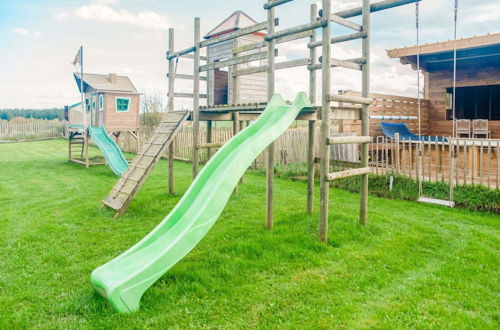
x=124, y=279
x=114, y=157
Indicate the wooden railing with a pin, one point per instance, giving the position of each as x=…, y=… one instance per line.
x=476, y=161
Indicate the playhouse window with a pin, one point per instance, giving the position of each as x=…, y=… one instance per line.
x=101, y=102
x=87, y=104
x=122, y=104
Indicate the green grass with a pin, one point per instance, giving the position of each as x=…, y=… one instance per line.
x=413, y=266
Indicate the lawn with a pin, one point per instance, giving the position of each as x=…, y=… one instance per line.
x=413, y=266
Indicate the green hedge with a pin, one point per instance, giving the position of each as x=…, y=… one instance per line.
x=474, y=198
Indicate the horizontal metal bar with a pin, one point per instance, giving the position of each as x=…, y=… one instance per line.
x=180, y=53
x=378, y=6
x=348, y=173
x=186, y=76
x=234, y=61
x=189, y=95
x=347, y=23
x=277, y=66
x=349, y=99
x=238, y=33
x=263, y=44
x=338, y=39
x=296, y=29
x=274, y=3
x=348, y=139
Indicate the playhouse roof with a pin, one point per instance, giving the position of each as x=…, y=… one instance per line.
x=235, y=21
x=103, y=82
x=478, y=50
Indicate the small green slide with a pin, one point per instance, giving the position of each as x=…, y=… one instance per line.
x=114, y=157
x=124, y=279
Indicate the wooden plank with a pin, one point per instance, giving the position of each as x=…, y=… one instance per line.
x=349, y=99
x=273, y=3
x=348, y=173
x=348, y=139
x=186, y=76
x=189, y=95
x=311, y=124
x=339, y=39
x=262, y=44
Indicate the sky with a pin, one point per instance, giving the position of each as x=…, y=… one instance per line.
x=39, y=39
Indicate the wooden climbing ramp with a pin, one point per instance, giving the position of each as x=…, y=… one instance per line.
x=131, y=181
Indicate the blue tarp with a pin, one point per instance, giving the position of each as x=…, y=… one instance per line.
x=390, y=130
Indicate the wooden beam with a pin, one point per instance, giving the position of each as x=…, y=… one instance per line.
x=270, y=93
x=295, y=30
x=347, y=23
x=378, y=6
x=196, y=96
x=311, y=128
x=236, y=34
x=348, y=140
x=273, y=3
x=233, y=61
x=263, y=44
x=339, y=39
x=186, y=76
x=349, y=99
x=348, y=173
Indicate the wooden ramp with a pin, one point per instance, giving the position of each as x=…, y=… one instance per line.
x=131, y=181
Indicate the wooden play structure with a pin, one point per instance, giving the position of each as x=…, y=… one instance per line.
x=111, y=101
x=261, y=48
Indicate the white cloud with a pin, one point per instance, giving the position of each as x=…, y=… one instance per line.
x=27, y=33
x=101, y=12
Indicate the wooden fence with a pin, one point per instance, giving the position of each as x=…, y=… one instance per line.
x=30, y=130
x=476, y=161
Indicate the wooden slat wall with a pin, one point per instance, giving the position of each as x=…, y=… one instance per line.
x=435, y=91
x=391, y=105
x=30, y=130
x=121, y=121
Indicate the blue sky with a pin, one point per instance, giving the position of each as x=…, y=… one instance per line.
x=40, y=38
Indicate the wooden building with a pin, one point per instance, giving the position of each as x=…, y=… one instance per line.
x=222, y=87
x=477, y=80
x=111, y=100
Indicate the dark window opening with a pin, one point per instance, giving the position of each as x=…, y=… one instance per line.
x=220, y=86
x=477, y=102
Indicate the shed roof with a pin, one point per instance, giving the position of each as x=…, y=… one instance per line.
x=482, y=50
x=235, y=21
x=103, y=82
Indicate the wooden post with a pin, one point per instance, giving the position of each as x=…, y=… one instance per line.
x=396, y=141
x=209, y=139
x=236, y=127
x=196, y=96
x=365, y=116
x=325, y=122
x=270, y=93
x=171, y=79
x=311, y=126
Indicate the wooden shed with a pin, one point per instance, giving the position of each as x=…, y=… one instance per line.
x=222, y=87
x=112, y=101
x=477, y=80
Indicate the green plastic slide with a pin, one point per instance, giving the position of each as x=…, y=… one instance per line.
x=124, y=279
x=114, y=157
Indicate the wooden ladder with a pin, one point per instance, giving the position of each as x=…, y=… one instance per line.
x=131, y=181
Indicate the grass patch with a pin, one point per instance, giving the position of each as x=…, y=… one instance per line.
x=413, y=266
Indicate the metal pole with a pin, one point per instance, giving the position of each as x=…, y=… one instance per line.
x=365, y=116
x=84, y=108
x=196, y=96
x=270, y=93
x=311, y=126
x=170, y=107
x=325, y=123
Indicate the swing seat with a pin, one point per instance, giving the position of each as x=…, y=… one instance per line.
x=435, y=201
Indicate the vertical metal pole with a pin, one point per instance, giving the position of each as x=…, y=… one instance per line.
x=311, y=126
x=171, y=79
x=365, y=116
x=196, y=96
x=270, y=93
x=325, y=122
